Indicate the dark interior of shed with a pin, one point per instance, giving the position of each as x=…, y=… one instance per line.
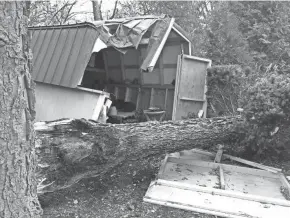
x=132, y=90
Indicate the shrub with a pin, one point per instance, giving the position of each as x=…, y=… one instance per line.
x=266, y=106
x=224, y=83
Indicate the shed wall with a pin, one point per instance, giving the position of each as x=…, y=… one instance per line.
x=56, y=102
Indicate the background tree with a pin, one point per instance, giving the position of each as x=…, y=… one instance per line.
x=188, y=14
x=98, y=12
x=18, y=196
x=49, y=13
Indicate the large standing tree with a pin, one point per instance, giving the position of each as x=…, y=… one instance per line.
x=18, y=197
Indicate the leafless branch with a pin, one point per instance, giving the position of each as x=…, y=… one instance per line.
x=69, y=11
x=115, y=9
x=60, y=10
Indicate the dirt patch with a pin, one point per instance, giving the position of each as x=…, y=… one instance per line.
x=119, y=195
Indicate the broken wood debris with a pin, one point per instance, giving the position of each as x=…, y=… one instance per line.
x=222, y=178
x=232, y=191
x=219, y=154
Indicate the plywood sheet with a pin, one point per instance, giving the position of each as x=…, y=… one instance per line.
x=169, y=75
x=255, y=185
x=170, y=54
x=152, y=77
x=193, y=74
x=202, y=176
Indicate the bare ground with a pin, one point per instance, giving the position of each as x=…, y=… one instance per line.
x=119, y=195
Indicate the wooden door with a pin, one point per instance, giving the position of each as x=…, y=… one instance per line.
x=190, y=87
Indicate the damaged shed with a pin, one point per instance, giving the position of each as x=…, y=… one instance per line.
x=143, y=62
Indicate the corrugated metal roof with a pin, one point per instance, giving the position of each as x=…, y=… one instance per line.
x=61, y=53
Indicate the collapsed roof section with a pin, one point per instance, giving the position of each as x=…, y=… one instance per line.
x=61, y=53
x=130, y=32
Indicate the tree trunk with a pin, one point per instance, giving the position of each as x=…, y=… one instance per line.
x=96, y=10
x=70, y=150
x=18, y=196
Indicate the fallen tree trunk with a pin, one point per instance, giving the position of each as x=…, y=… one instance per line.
x=70, y=150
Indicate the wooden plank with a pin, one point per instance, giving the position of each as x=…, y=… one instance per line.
x=162, y=166
x=176, y=90
x=240, y=160
x=212, y=165
x=161, y=70
x=98, y=108
x=222, y=206
x=106, y=64
x=148, y=86
x=140, y=70
x=219, y=154
x=180, y=34
x=191, y=99
x=222, y=178
x=197, y=58
x=253, y=164
x=94, y=69
x=233, y=194
x=162, y=43
x=152, y=94
x=136, y=66
x=165, y=99
x=204, y=210
x=285, y=182
x=123, y=70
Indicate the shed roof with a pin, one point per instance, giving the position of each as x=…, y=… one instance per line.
x=61, y=53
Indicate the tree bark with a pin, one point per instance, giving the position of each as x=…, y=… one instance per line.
x=18, y=196
x=96, y=10
x=70, y=150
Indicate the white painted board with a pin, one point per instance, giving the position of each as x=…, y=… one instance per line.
x=213, y=204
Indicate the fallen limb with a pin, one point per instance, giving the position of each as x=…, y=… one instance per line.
x=78, y=149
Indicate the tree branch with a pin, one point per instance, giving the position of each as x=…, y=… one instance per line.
x=69, y=11
x=115, y=9
x=60, y=10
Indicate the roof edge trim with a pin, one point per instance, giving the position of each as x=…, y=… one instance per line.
x=84, y=24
